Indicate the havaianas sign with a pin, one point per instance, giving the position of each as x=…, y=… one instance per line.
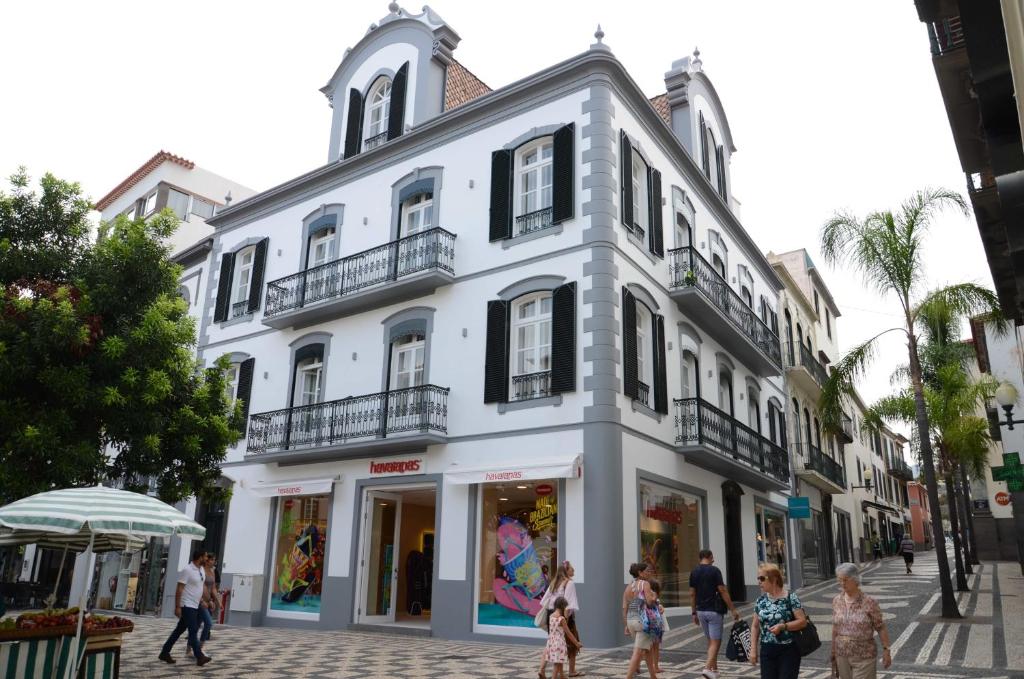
x=391, y=467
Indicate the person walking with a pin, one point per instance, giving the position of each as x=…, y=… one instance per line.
x=777, y=614
x=188, y=594
x=637, y=595
x=209, y=607
x=856, y=618
x=876, y=547
x=563, y=586
x=907, y=550
x=709, y=599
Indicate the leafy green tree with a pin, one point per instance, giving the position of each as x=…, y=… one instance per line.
x=98, y=375
x=887, y=249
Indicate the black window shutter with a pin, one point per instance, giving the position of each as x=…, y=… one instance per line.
x=705, y=158
x=259, y=265
x=626, y=177
x=563, y=338
x=660, y=369
x=563, y=163
x=657, y=240
x=721, y=173
x=245, y=385
x=354, y=128
x=501, y=195
x=496, y=353
x=227, y=267
x=396, y=109
x=630, y=369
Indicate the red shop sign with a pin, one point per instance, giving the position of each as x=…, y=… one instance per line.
x=412, y=466
x=544, y=489
x=1002, y=498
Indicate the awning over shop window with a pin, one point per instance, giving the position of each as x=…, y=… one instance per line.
x=289, y=487
x=564, y=467
x=866, y=504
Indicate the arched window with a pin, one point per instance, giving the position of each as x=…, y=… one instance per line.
x=712, y=167
x=718, y=265
x=684, y=232
x=789, y=337
x=533, y=178
x=796, y=424
x=753, y=409
x=817, y=433
x=640, y=200
x=691, y=374
x=725, y=390
x=321, y=247
x=747, y=296
x=407, y=355
x=243, y=277
x=807, y=431
x=644, y=350
x=531, y=347
x=309, y=381
x=377, y=107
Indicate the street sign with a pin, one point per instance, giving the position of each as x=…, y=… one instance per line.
x=1012, y=472
x=1003, y=498
x=799, y=507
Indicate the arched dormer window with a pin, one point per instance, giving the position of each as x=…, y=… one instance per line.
x=378, y=104
x=713, y=159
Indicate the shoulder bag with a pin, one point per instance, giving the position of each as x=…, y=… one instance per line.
x=806, y=640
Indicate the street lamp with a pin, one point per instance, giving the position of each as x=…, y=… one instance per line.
x=867, y=480
x=1006, y=396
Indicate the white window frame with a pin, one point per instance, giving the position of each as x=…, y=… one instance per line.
x=243, y=274
x=420, y=206
x=324, y=238
x=196, y=200
x=729, y=393
x=645, y=344
x=690, y=374
x=378, y=103
x=231, y=377
x=149, y=206
x=641, y=200
x=309, y=367
x=188, y=202
x=414, y=346
x=537, y=321
x=530, y=190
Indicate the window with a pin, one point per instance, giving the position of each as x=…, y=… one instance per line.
x=518, y=550
x=711, y=169
x=670, y=539
x=690, y=375
x=150, y=204
x=828, y=322
x=718, y=265
x=178, y=202
x=202, y=208
x=243, y=277
x=817, y=308
x=417, y=213
x=299, y=543
x=684, y=232
x=531, y=347
x=231, y=383
x=725, y=391
x=378, y=105
x=130, y=212
x=407, y=361
x=747, y=297
x=754, y=410
x=534, y=173
x=644, y=359
x=321, y=247
x=640, y=199
x=308, y=379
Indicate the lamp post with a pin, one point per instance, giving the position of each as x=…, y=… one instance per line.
x=1012, y=472
x=867, y=480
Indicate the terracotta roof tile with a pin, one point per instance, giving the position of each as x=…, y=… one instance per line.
x=137, y=176
x=461, y=86
x=660, y=104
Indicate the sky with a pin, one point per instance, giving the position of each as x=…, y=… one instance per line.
x=831, y=105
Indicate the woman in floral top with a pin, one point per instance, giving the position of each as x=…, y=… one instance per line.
x=777, y=614
x=855, y=619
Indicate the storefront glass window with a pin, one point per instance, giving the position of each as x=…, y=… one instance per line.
x=771, y=538
x=299, y=554
x=670, y=538
x=518, y=550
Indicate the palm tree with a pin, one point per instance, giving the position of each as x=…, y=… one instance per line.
x=887, y=249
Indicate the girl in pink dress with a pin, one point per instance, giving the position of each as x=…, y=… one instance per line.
x=556, y=652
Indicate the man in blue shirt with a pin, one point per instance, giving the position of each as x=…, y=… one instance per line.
x=709, y=599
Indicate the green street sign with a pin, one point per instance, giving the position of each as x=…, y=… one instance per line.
x=1012, y=472
x=1011, y=459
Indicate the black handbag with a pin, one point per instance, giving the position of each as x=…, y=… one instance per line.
x=739, y=642
x=806, y=640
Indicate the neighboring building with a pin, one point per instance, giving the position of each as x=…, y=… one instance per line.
x=920, y=515
x=498, y=329
x=978, y=53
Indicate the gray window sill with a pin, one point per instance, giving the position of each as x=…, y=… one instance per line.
x=641, y=245
x=244, y=318
x=639, y=407
x=533, y=235
x=554, y=401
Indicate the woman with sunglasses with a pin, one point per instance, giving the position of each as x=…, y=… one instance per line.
x=777, y=614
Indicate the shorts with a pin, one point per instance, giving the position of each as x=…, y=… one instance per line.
x=908, y=557
x=711, y=623
x=643, y=641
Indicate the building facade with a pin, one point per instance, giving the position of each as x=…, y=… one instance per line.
x=497, y=330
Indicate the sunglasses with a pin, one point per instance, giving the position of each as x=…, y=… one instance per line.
x=761, y=578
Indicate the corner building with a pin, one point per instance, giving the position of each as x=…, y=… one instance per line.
x=498, y=329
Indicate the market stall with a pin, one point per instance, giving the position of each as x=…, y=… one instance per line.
x=38, y=644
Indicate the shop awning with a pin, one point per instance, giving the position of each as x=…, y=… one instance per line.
x=564, y=467
x=865, y=504
x=288, y=487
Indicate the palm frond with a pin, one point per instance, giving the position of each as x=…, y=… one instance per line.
x=840, y=385
x=899, y=408
x=953, y=303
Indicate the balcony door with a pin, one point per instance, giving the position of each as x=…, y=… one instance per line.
x=308, y=421
x=405, y=405
x=725, y=391
x=417, y=217
x=321, y=283
x=683, y=231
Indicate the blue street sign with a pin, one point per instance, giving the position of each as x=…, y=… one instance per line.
x=799, y=507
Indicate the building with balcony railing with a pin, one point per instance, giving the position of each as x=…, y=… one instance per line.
x=459, y=339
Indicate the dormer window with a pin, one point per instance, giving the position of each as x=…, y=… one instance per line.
x=534, y=172
x=713, y=159
x=377, y=110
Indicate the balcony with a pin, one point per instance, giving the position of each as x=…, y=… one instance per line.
x=946, y=35
x=805, y=370
x=701, y=293
x=375, y=141
x=390, y=421
x=820, y=470
x=531, y=385
x=714, y=440
x=846, y=433
x=394, y=272
x=900, y=470
x=533, y=221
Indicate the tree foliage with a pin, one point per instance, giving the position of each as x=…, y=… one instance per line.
x=98, y=375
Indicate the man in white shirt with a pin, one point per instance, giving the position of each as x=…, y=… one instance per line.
x=191, y=582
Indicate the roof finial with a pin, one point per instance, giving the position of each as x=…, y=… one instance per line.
x=599, y=34
x=695, y=63
x=227, y=199
x=393, y=7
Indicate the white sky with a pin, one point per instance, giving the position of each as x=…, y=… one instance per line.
x=831, y=104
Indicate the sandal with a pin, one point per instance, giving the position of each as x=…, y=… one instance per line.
x=577, y=674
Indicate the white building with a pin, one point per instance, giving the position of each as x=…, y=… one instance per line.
x=496, y=330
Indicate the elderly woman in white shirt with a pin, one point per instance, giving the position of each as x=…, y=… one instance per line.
x=563, y=586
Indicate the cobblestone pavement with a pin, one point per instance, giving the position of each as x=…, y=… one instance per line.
x=988, y=642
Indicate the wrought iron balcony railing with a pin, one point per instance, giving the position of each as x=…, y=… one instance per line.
x=797, y=354
x=700, y=423
x=433, y=249
x=688, y=269
x=423, y=408
x=531, y=385
x=239, y=309
x=946, y=35
x=816, y=460
x=643, y=393
x=375, y=141
x=533, y=221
